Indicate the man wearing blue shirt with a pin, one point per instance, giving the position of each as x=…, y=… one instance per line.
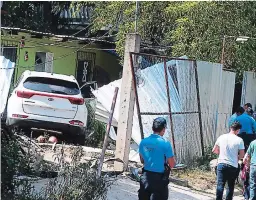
x=239, y=111
x=250, y=159
x=155, y=152
x=248, y=130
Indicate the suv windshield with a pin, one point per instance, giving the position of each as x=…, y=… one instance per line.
x=50, y=85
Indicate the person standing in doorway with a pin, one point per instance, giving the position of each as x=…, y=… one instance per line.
x=157, y=156
x=230, y=148
x=250, y=161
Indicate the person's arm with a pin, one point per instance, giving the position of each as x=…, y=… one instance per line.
x=216, y=148
x=247, y=157
x=141, y=159
x=170, y=156
x=141, y=152
x=241, y=154
x=171, y=162
x=253, y=125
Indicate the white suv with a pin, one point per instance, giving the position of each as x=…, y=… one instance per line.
x=48, y=101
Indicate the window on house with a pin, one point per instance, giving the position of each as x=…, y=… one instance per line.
x=44, y=62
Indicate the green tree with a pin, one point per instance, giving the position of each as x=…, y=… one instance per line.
x=201, y=26
x=35, y=15
x=119, y=16
x=195, y=29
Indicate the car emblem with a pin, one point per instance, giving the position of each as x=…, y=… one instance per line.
x=50, y=99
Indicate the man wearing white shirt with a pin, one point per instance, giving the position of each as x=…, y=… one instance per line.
x=230, y=149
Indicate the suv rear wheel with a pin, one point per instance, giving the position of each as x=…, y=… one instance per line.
x=79, y=139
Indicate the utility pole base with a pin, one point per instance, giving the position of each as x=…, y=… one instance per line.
x=126, y=110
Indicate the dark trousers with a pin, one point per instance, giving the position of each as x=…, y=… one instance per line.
x=153, y=187
x=226, y=173
x=247, y=138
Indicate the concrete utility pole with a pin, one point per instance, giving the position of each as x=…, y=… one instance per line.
x=127, y=101
x=136, y=15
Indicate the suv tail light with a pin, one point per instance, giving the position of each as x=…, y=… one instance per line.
x=19, y=116
x=24, y=94
x=27, y=95
x=77, y=101
x=76, y=123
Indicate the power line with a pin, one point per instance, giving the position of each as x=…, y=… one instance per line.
x=58, y=36
x=81, y=30
x=56, y=44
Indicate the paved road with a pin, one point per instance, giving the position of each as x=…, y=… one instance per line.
x=126, y=189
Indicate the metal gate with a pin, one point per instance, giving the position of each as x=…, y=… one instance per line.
x=85, y=66
x=85, y=70
x=168, y=87
x=9, y=49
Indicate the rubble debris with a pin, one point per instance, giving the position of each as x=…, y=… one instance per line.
x=53, y=139
x=213, y=164
x=41, y=139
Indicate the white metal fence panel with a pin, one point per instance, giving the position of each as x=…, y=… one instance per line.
x=249, y=89
x=6, y=72
x=225, y=103
x=209, y=77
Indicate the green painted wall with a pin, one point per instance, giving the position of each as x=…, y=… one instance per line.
x=66, y=64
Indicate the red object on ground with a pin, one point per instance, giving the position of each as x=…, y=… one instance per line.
x=53, y=139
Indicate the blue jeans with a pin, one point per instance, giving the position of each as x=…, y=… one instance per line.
x=252, y=182
x=226, y=173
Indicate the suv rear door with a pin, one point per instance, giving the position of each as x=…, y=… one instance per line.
x=50, y=97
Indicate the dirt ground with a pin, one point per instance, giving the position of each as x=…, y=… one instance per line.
x=197, y=179
x=204, y=181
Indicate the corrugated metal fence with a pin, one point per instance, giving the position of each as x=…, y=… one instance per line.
x=249, y=89
x=190, y=134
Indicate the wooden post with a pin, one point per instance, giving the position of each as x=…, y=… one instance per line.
x=127, y=101
x=105, y=144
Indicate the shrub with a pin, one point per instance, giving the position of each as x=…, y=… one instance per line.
x=75, y=181
x=96, y=129
x=203, y=162
x=13, y=162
